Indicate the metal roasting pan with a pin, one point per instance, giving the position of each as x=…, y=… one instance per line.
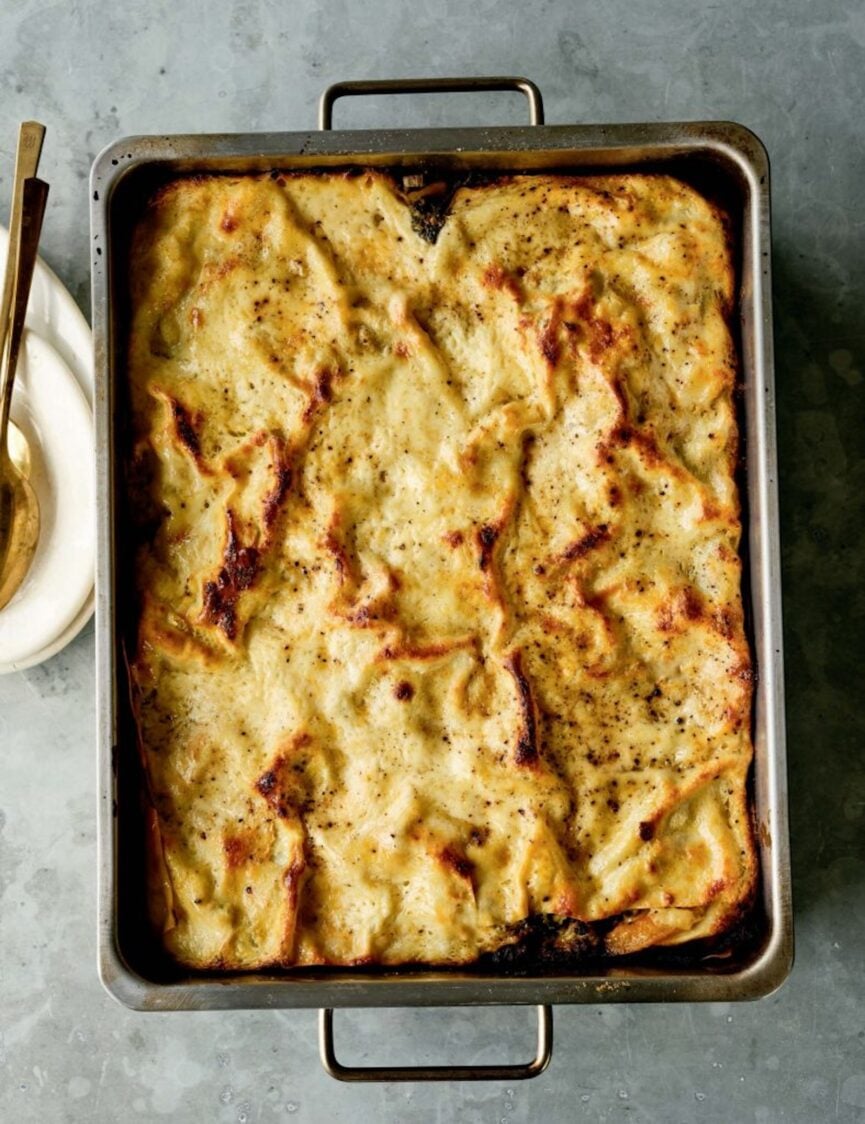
x=723, y=159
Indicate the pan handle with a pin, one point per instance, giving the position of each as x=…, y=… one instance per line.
x=428, y=86
x=518, y=1072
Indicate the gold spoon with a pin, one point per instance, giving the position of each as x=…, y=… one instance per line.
x=19, y=507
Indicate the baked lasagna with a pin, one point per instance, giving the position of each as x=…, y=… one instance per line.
x=439, y=637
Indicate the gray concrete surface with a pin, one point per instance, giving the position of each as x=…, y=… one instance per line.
x=793, y=70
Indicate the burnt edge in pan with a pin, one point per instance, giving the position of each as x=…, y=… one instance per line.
x=541, y=945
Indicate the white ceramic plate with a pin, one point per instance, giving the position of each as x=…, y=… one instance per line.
x=54, y=315
x=50, y=408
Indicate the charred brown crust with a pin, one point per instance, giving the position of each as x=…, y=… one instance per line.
x=378, y=614
x=526, y=749
x=292, y=881
x=431, y=651
x=184, y=425
x=322, y=393
x=587, y=542
x=582, y=327
x=237, y=850
x=686, y=606
x=457, y=862
x=266, y=783
x=548, y=340
x=692, y=604
x=274, y=499
x=429, y=208
x=279, y=801
x=335, y=545
x=545, y=939
x=599, y=332
x=487, y=537
x=528, y=443
x=239, y=570
x=282, y=784
x=496, y=277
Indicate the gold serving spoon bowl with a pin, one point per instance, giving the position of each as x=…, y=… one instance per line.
x=19, y=514
x=19, y=507
x=18, y=448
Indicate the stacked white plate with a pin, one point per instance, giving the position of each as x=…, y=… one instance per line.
x=52, y=405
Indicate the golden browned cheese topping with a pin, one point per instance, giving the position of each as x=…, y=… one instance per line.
x=440, y=626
